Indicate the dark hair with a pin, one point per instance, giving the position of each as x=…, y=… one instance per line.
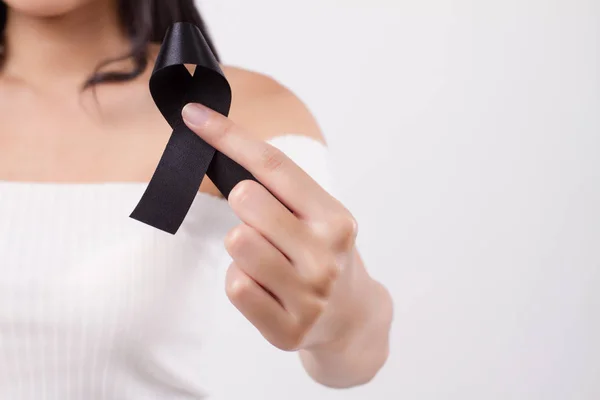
x=145, y=22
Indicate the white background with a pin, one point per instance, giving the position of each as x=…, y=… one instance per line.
x=466, y=140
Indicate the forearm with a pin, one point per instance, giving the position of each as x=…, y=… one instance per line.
x=355, y=330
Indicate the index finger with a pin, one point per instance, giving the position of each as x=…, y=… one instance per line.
x=277, y=172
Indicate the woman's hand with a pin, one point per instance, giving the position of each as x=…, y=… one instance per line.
x=296, y=274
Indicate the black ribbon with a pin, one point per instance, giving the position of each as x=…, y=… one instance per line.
x=187, y=158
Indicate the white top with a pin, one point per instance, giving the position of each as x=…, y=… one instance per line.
x=95, y=305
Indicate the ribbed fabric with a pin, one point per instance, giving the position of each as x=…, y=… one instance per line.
x=97, y=306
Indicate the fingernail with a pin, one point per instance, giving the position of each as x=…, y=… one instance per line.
x=195, y=114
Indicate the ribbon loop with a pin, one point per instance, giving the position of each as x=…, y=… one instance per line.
x=187, y=158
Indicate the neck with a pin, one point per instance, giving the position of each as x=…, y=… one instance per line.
x=62, y=49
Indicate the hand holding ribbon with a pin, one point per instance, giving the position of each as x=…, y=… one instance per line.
x=294, y=255
x=296, y=274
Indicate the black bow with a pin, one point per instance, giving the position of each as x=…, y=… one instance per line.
x=187, y=158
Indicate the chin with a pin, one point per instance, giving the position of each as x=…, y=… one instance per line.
x=46, y=8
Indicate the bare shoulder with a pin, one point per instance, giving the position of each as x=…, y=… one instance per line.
x=266, y=108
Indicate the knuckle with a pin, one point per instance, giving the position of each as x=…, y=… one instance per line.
x=292, y=339
x=236, y=288
x=286, y=345
x=312, y=312
x=238, y=239
x=343, y=230
x=242, y=192
x=322, y=277
x=333, y=272
x=272, y=158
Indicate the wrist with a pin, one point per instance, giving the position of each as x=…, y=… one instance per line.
x=354, y=356
x=362, y=318
x=348, y=310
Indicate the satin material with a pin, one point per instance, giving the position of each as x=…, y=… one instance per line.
x=187, y=158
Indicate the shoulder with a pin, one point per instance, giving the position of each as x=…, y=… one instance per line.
x=266, y=108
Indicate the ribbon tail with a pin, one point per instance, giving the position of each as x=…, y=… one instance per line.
x=175, y=183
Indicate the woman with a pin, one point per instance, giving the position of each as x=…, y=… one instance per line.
x=96, y=305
